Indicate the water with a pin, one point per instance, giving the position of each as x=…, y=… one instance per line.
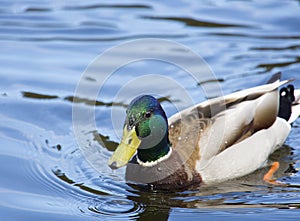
x=45, y=48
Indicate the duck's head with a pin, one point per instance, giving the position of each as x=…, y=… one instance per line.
x=145, y=131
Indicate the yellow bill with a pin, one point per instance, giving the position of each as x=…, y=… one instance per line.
x=126, y=149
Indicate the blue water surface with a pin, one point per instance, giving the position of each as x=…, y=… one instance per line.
x=45, y=48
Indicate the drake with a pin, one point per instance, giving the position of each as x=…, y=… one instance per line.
x=217, y=140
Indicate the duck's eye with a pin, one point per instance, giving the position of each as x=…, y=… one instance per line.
x=147, y=114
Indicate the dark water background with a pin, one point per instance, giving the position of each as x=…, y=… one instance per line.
x=46, y=46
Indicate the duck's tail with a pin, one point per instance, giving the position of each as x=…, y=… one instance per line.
x=287, y=97
x=289, y=107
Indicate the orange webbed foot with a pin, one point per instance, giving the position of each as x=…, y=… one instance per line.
x=268, y=177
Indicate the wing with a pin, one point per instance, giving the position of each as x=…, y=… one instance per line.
x=209, y=108
x=230, y=119
x=247, y=156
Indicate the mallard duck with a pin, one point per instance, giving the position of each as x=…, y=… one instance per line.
x=220, y=139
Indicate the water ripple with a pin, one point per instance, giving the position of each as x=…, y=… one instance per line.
x=117, y=208
x=96, y=6
x=193, y=22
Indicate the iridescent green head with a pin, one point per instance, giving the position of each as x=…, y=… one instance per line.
x=145, y=130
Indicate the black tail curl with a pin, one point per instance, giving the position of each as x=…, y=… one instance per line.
x=287, y=98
